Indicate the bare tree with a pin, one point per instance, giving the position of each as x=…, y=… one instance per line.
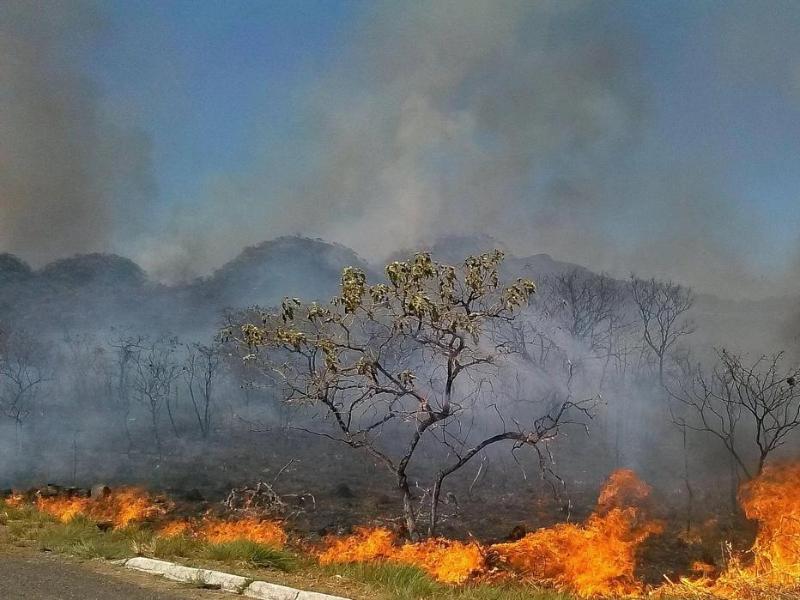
x=86, y=369
x=200, y=372
x=22, y=374
x=396, y=363
x=532, y=338
x=662, y=306
x=155, y=370
x=585, y=303
x=751, y=408
x=126, y=350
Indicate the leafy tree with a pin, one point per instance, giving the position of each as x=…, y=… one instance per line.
x=403, y=361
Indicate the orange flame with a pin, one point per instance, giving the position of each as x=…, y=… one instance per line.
x=596, y=558
x=260, y=531
x=120, y=507
x=64, y=509
x=175, y=528
x=15, y=500
x=365, y=544
x=773, y=500
x=447, y=561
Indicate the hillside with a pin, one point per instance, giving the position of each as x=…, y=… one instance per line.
x=104, y=291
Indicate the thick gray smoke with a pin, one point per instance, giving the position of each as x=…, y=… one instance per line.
x=526, y=121
x=447, y=117
x=529, y=122
x=68, y=174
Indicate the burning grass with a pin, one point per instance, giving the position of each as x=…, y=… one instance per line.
x=119, y=507
x=269, y=533
x=771, y=568
x=596, y=558
x=447, y=561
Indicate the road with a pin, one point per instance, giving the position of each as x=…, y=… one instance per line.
x=28, y=575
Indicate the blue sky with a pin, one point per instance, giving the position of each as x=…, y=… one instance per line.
x=206, y=79
x=657, y=136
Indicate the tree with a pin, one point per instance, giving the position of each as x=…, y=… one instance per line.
x=200, y=372
x=22, y=374
x=400, y=363
x=126, y=350
x=154, y=372
x=585, y=303
x=662, y=306
x=751, y=408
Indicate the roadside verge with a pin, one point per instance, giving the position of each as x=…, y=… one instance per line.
x=261, y=590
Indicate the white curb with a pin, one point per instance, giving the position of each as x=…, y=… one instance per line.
x=260, y=590
x=270, y=591
x=229, y=583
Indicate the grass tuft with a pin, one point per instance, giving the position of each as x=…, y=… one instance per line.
x=83, y=539
x=251, y=553
x=400, y=581
x=177, y=545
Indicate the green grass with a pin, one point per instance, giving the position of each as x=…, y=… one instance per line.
x=168, y=547
x=402, y=582
x=82, y=538
x=250, y=553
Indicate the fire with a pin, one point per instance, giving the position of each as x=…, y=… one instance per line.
x=447, y=561
x=62, y=508
x=216, y=530
x=773, y=500
x=623, y=489
x=596, y=558
x=120, y=507
x=256, y=530
x=365, y=544
x=175, y=528
x=592, y=559
x=15, y=500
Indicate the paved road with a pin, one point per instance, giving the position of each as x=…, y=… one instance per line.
x=41, y=576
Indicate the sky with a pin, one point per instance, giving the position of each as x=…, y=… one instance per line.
x=656, y=137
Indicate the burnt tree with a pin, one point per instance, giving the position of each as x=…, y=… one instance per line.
x=751, y=407
x=662, y=308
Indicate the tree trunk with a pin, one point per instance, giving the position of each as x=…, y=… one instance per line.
x=408, y=506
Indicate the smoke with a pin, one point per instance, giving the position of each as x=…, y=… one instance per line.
x=533, y=123
x=69, y=174
x=524, y=121
x=446, y=117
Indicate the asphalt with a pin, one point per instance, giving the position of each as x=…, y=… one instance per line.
x=41, y=576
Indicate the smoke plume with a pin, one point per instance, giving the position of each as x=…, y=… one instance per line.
x=525, y=121
x=68, y=174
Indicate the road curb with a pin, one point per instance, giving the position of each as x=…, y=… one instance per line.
x=261, y=590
